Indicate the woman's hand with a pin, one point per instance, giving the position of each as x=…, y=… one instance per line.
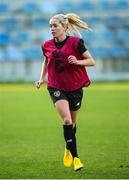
x=72, y=60
x=38, y=83
x=87, y=60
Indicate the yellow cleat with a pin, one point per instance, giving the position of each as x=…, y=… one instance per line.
x=68, y=158
x=77, y=164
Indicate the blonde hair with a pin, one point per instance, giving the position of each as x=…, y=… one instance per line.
x=72, y=22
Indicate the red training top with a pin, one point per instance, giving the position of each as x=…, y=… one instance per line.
x=61, y=74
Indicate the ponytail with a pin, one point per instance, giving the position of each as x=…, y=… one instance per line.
x=72, y=22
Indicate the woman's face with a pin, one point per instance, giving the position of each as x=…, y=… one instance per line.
x=56, y=28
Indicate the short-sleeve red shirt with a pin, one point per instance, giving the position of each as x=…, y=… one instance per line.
x=61, y=74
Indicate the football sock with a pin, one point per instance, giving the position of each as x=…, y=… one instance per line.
x=70, y=139
x=74, y=130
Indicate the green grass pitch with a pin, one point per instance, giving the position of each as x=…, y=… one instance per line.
x=31, y=136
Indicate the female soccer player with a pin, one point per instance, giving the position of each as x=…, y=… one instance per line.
x=65, y=60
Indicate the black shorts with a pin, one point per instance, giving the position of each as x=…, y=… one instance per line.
x=74, y=97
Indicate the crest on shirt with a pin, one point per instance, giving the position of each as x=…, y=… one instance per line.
x=57, y=93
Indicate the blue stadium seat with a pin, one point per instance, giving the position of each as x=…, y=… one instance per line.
x=4, y=8
x=39, y=22
x=33, y=53
x=100, y=52
x=118, y=51
x=106, y=35
x=2, y=55
x=106, y=5
x=91, y=21
x=5, y=39
x=49, y=7
x=86, y=5
x=10, y=23
x=14, y=54
x=66, y=6
x=88, y=36
x=126, y=21
x=121, y=4
x=114, y=22
x=22, y=37
x=123, y=34
x=31, y=8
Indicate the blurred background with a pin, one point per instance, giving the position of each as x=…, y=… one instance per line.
x=24, y=27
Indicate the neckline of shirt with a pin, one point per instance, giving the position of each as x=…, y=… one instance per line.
x=60, y=44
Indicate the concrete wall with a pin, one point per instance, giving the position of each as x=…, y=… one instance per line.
x=29, y=71
x=19, y=71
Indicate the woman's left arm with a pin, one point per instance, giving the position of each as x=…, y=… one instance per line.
x=87, y=60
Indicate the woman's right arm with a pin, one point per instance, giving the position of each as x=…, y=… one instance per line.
x=43, y=73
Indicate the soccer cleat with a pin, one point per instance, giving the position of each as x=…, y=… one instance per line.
x=68, y=158
x=77, y=164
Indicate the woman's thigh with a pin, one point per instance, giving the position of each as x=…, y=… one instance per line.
x=62, y=107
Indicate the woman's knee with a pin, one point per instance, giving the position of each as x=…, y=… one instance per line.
x=67, y=121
